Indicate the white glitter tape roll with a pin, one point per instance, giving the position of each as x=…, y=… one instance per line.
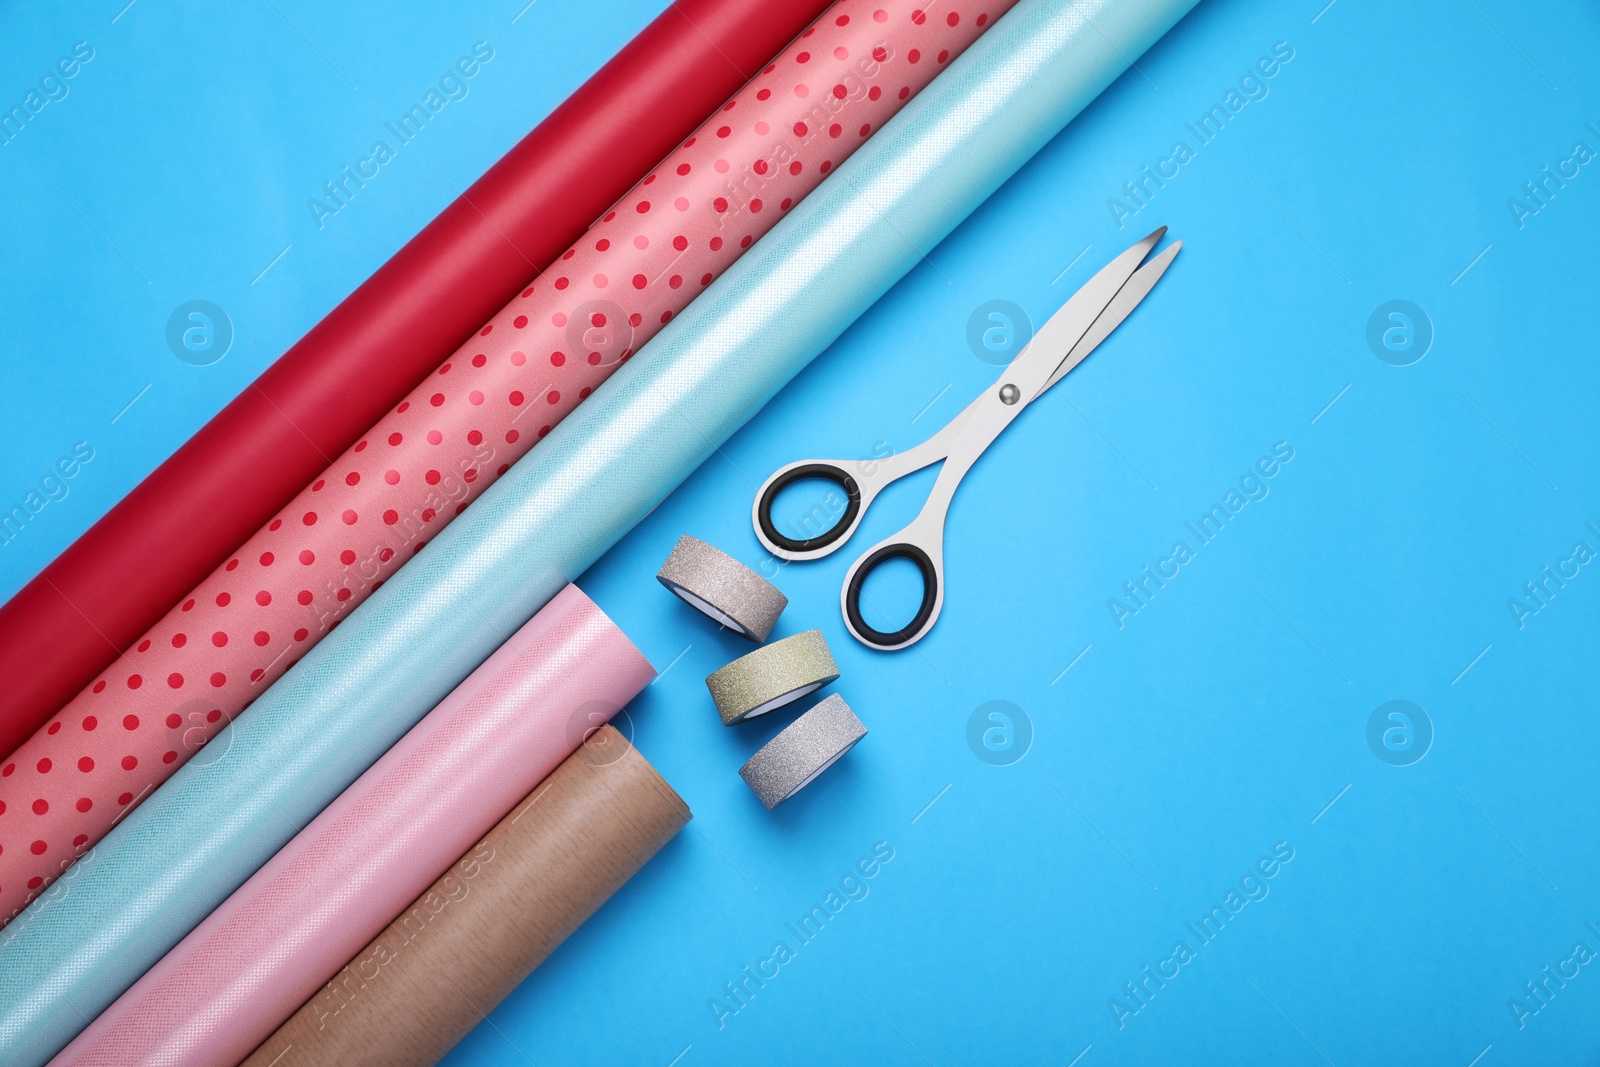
x=806, y=747
x=721, y=587
x=772, y=676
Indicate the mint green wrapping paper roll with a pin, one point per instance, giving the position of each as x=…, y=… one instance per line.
x=180, y=854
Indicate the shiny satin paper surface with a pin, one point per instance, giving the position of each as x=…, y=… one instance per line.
x=201, y=504
x=258, y=957
x=480, y=411
x=598, y=473
x=510, y=902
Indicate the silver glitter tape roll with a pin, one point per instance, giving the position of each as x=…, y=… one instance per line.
x=806, y=747
x=721, y=587
x=772, y=676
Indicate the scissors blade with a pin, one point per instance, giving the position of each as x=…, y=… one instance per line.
x=1033, y=367
x=1127, y=298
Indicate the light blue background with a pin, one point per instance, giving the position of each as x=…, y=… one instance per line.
x=1224, y=718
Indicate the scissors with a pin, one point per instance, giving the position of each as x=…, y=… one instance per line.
x=1085, y=320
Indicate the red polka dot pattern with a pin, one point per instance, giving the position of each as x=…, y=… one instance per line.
x=484, y=408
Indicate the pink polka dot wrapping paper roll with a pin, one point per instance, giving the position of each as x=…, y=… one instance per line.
x=485, y=407
x=227, y=986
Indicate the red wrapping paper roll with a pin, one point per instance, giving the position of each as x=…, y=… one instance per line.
x=180, y=523
x=465, y=424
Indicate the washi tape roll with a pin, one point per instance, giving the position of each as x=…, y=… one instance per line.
x=595, y=477
x=719, y=586
x=806, y=747
x=771, y=677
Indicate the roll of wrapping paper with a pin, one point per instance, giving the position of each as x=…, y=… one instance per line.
x=184, y=519
x=242, y=972
x=602, y=470
x=463, y=427
x=417, y=989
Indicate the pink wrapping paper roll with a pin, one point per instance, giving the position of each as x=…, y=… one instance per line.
x=228, y=985
x=463, y=427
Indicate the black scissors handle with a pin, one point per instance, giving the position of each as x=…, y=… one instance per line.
x=1068, y=337
x=824, y=541
x=932, y=596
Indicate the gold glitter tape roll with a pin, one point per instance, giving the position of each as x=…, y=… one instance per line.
x=771, y=677
x=806, y=747
x=721, y=587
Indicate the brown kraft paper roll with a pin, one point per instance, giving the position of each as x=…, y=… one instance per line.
x=484, y=926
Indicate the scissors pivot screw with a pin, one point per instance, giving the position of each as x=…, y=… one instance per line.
x=1086, y=319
